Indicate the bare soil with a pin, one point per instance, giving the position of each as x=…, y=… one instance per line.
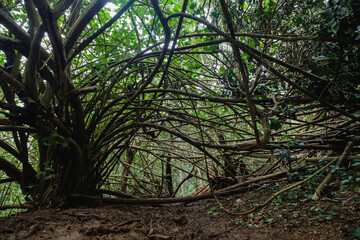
x=327, y=219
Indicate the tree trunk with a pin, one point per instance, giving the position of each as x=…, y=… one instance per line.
x=130, y=155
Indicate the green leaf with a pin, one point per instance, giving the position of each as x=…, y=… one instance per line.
x=252, y=44
x=356, y=233
x=275, y=125
x=215, y=14
x=192, y=6
x=49, y=177
x=355, y=164
x=298, y=21
x=345, y=181
x=320, y=58
x=222, y=70
x=198, y=11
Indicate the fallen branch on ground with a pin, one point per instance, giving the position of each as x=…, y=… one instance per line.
x=347, y=148
x=327, y=179
x=21, y=206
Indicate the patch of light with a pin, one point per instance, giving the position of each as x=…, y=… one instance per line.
x=112, y=8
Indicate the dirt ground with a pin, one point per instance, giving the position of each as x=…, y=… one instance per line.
x=198, y=220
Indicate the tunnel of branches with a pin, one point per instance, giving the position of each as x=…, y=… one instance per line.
x=166, y=101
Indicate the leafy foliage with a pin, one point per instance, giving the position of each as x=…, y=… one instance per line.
x=156, y=98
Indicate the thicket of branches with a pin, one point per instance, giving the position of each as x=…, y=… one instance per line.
x=158, y=98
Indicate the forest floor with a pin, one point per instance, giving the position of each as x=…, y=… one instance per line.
x=337, y=217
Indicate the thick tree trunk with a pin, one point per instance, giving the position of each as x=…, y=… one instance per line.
x=64, y=170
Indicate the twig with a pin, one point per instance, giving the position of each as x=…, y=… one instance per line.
x=6, y=207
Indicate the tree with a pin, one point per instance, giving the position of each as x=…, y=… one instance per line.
x=137, y=98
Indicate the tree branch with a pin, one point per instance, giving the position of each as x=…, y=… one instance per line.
x=10, y=170
x=76, y=30
x=87, y=41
